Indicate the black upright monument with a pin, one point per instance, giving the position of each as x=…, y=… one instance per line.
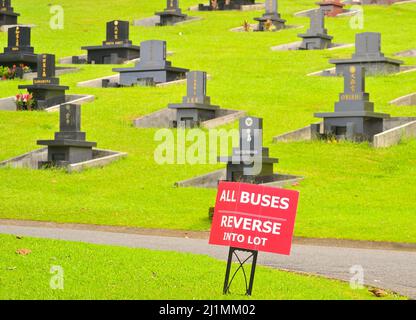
x=152, y=67
x=271, y=16
x=19, y=51
x=172, y=14
x=7, y=14
x=316, y=38
x=45, y=89
x=368, y=54
x=70, y=145
x=354, y=117
x=250, y=162
x=196, y=107
x=116, y=49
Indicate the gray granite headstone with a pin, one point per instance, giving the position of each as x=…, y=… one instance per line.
x=368, y=45
x=354, y=117
x=153, y=54
x=196, y=88
x=316, y=38
x=69, y=145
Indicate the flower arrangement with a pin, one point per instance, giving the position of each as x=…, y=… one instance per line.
x=269, y=26
x=7, y=73
x=246, y=26
x=24, y=101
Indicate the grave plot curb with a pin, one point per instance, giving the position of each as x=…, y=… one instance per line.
x=305, y=13
x=330, y=72
x=210, y=180
x=254, y=28
x=30, y=160
x=59, y=71
x=8, y=104
x=395, y=135
x=163, y=119
x=302, y=134
x=296, y=45
x=152, y=21
x=407, y=100
x=406, y=53
x=5, y=28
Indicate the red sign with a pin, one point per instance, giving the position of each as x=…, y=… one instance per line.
x=254, y=217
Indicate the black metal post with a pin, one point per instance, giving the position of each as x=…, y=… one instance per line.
x=227, y=282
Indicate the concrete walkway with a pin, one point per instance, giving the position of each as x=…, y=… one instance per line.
x=388, y=269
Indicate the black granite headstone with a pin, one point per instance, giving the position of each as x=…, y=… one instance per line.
x=196, y=106
x=250, y=162
x=7, y=14
x=172, y=14
x=45, y=89
x=368, y=54
x=152, y=66
x=117, y=33
x=19, y=51
x=19, y=40
x=69, y=145
x=316, y=38
x=117, y=48
x=354, y=117
x=271, y=16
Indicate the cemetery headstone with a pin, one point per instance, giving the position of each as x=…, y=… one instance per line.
x=172, y=14
x=368, y=54
x=19, y=50
x=45, y=89
x=250, y=162
x=354, y=117
x=117, y=48
x=270, y=17
x=316, y=37
x=331, y=8
x=152, y=67
x=70, y=145
x=196, y=106
x=225, y=5
x=7, y=14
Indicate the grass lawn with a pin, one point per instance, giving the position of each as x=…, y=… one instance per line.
x=351, y=190
x=105, y=272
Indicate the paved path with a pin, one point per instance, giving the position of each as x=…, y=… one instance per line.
x=389, y=269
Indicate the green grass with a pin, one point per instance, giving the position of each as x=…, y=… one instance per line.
x=351, y=190
x=104, y=272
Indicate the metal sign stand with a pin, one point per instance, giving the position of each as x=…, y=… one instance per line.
x=253, y=256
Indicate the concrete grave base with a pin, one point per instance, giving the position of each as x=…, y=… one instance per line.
x=164, y=118
x=8, y=104
x=331, y=72
x=407, y=100
x=394, y=130
x=254, y=27
x=296, y=45
x=212, y=179
x=249, y=7
x=5, y=28
x=30, y=160
x=407, y=53
x=155, y=20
